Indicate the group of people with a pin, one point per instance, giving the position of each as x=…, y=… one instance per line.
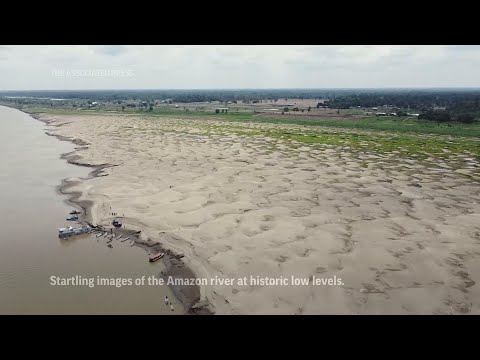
x=167, y=302
x=114, y=213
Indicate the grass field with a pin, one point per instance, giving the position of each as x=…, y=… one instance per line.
x=409, y=137
x=389, y=124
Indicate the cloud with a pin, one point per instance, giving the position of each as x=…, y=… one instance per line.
x=464, y=47
x=241, y=66
x=112, y=50
x=3, y=52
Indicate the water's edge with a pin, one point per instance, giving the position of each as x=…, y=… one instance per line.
x=185, y=294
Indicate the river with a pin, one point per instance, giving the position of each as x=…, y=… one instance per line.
x=32, y=210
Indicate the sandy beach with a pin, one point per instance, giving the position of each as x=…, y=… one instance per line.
x=404, y=236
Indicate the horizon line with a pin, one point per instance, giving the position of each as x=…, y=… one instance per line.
x=243, y=89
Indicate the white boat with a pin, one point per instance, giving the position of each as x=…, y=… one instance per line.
x=105, y=235
x=156, y=257
x=119, y=236
x=98, y=235
x=70, y=231
x=128, y=237
x=132, y=243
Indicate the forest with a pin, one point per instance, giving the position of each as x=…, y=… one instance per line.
x=442, y=104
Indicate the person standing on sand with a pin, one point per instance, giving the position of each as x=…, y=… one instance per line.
x=166, y=300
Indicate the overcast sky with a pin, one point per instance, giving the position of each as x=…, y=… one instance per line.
x=237, y=66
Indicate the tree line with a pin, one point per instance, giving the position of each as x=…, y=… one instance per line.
x=441, y=106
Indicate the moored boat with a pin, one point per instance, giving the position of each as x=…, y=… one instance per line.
x=156, y=257
x=70, y=231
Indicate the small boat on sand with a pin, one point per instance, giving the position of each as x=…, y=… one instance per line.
x=110, y=245
x=109, y=239
x=132, y=243
x=105, y=235
x=98, y=235
x=117, y=223
x=156, y=257
x=118, y=238
x=128, y=237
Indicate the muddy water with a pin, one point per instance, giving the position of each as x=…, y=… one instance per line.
x=31, y=211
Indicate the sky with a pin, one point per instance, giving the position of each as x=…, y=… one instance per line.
x=78, y=67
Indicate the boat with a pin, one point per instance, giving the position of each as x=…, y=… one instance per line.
x=117, y=223
x=118, y=238
x=128, y=237
x=98, y=235
x=156, y=257
x=70, y=231
x=72, y=218
x=132, y=243
x=110, y=245
x=74, y=212
x=110, y=240
x=105, y=235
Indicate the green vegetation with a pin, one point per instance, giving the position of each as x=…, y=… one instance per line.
x=390, y=124
x=386, y=123
x=405, y=145
x=403, y=135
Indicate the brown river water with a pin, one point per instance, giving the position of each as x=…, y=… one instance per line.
x=32, y=210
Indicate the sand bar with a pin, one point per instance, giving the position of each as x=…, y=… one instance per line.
x=403, y=235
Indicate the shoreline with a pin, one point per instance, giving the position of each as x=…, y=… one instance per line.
x=175, y=268
x=237, y=204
